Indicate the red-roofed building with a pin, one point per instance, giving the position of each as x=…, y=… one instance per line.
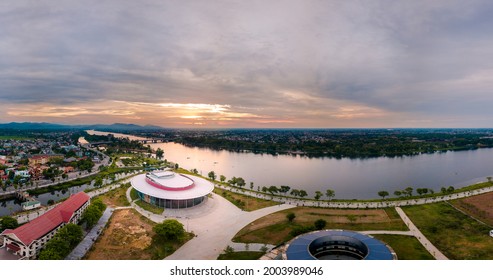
x=27, y=240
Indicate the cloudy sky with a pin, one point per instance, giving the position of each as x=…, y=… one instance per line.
x=248, y=63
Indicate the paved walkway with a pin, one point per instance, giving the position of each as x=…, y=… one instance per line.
x=80, y=251
x=421, y=238
x=215, y=230
x=214, y=222
x=356, y=204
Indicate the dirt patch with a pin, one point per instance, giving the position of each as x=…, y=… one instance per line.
x=125, y=238
x=479, y=206
x=275, y=228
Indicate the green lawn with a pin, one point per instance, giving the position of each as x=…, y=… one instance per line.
x=406, y=247
x=276, y=229
x=148, y=207
x=244, y=202
x=133, y=194
x=455, y=234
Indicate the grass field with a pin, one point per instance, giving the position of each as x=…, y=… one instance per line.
x=455, y=234
x=246, y=203
x=116, y=197
x=276, y=229
x=149, y=207
x=406, y=247
x=242, y=255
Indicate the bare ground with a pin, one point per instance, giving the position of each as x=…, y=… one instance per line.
x=479, y=206
x=125, y=238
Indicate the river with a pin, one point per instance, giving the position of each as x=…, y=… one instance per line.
x=350, y=178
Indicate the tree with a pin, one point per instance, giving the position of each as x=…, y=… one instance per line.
x=422, y=191
x=489, y=179
x=265, y=189
x=450, y=189
x=320, y=224
x=318, y=195
x=443, y=190
x=240, y=182
x=91, y=216
x=159, y=153
x=8, y=223
x=212, y=175
x=303, y=193
x=330, y=194
x=397, y=193
x=284, y=189
x=290, y=216
x=170, y=229
x=408, y=191
x=98, y=182
x=222, y=178
x=383, y=194
x=195, y=171
x=71, y=233
x=56, y=249
x=98, y=203
x=272, y=189
x=294, y=192
x=50, y=254
x=177, y=165
x=251, y=185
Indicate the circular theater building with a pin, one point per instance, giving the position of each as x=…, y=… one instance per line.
x=167, y=189
x=337, y=245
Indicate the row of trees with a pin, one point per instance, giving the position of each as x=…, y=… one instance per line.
x=67, y=238
x=408, y=192
x=64, y=241
x=283, y=190
x=93, y=213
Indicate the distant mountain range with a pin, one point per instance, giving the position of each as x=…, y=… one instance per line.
x=52, y=126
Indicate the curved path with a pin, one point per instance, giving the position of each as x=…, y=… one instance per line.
x=214, y=223
x=357, y=204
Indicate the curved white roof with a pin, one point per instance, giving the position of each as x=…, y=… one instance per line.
x=171, y=180
x=201, y=188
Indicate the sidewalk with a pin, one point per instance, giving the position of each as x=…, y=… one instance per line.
x=421, y=238
x=80, y=251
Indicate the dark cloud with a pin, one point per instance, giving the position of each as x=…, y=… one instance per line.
x=307, y=62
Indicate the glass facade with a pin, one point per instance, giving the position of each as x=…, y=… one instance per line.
x=170, y=203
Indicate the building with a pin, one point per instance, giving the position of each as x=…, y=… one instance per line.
x=27, y=240
x=337, y=245
x=168, y=189
x=42, y=159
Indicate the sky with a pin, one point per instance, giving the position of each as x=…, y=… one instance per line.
x=221, y=64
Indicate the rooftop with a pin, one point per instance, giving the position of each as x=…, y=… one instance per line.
x=201, y=187
x=42, y=225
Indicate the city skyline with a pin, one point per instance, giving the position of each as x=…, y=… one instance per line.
x=251, y=64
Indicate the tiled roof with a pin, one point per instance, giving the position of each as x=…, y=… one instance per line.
x=42, y=225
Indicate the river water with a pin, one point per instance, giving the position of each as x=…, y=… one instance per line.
x=350, y=178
